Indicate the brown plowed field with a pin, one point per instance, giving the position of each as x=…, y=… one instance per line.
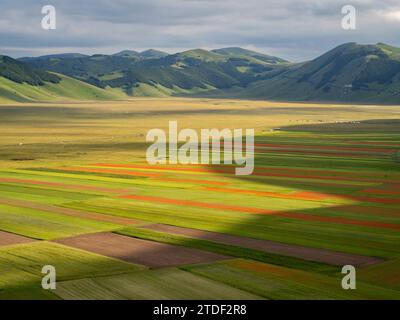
x=7, y=239
x=138, y=251
x=313, y=254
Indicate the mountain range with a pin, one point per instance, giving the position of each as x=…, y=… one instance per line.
x=348, y=73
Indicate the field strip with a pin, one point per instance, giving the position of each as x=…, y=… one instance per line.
x=311, y=182
x=283, y=283
x=321, y=177
x=231, y=171
x=194, y=181
x=322, y=153
x=199, y=204
x=321, y=147
x=267, y=168
x=68, y=212
x=375, y=143
x=389, y=192
x=288, y=178
x=374, y=200
x=138, y=251
x=7, y=239
x=319, y=171
x=306, y=253
x=225, y=169
x=290, y=215
x=338, y=220
x=64, y=185
x=303, y=195
x=161, y=284
x=371, y=210
x=70, y=264
x=157, y=176
x=121, y=172
x=77, y=176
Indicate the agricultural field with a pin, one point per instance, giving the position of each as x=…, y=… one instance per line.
x=77, y=193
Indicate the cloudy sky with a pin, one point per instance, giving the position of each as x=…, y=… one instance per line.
x=295, y=30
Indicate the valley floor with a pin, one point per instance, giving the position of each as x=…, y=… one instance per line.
x=77, y=193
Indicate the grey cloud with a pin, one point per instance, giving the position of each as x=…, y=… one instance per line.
x=296, y=30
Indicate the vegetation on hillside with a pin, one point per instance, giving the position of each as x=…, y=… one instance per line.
x=348, y=73
x=22, y=73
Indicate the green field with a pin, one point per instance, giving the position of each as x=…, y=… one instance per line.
x=21, y=267
x=159, y=285
x=272, y=282
x=326, y=178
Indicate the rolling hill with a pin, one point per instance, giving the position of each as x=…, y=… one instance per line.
x=22, y=73
x=350, y=72
x=155, y=73
x=240, y=52
x=22, y=83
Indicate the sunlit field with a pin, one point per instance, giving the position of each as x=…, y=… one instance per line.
x=77, y=193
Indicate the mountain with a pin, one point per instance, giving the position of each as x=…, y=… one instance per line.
x=152, y=54
x=90, y=69
x=192, y=72
x=23, y=83
x=22, y=73
x=157, y=73
x=201, y=54
x=235, y=51
x=126, y=54
x=350, y=72
x=147, y=54
x=54, y=56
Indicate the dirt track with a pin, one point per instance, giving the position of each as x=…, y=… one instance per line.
x=7, y=239
x=67, y=211
x=313, y=254
x=148, y=253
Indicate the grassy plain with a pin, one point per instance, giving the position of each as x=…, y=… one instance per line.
x=326, y=177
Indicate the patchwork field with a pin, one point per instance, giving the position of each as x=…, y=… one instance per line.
x=76, y=192
x=148, y=253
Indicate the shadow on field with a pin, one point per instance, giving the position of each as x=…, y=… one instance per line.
x=360, y=227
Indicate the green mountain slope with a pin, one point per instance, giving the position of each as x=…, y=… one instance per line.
x=54, y=56
x=152, y=54
x=156, y=73
x=67, y=89
x=20, y=82
x=22, y=73
x=240, y=52
x=350, y=72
